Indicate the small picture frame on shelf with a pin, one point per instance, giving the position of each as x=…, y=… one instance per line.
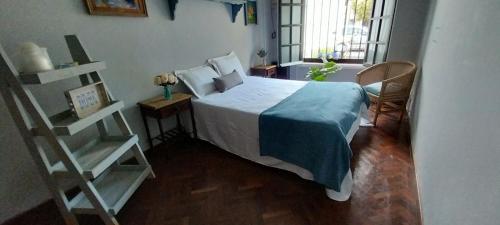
x=86, y=100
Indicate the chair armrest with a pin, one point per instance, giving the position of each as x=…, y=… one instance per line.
x=371, y=74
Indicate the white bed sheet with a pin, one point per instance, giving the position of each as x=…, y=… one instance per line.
x=230, y=120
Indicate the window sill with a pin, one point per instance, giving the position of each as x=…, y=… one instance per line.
x=343, y=65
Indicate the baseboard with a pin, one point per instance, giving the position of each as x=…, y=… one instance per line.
x=417, y=180
x=14, y=217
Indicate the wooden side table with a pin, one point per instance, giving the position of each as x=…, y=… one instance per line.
x=265, y=71
x=159, y=108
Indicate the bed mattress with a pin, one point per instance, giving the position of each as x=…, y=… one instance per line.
x=230, y=121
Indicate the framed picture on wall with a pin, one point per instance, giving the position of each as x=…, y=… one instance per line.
x=117, y=7
x=251, y=12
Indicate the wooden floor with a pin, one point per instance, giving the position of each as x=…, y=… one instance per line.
x=199, y=184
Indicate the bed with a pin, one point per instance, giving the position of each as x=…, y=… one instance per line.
x=229, y=120
x=233, y=120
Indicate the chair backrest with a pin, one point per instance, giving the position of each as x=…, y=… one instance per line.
x=403, y=73
x=398, y=68
x=398, y=77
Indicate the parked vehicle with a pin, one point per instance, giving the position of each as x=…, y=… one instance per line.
x=352, y=38
x=349, y=42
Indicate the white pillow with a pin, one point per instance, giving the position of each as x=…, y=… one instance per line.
x=227, y=64
x=198, y=79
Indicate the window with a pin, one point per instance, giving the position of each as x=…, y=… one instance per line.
x=290, y=31
x=350, y=31
x=380, y=31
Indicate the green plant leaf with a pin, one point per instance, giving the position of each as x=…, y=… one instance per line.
x=321, y=73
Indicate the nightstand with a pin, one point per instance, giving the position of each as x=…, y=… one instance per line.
x=159, y=108
x=265, y=71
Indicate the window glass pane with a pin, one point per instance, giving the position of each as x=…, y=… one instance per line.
x=385, y=30
x=295, y=53
x=296, y=35
x=286, y=1
x=378, y=8
x=285, y=35
x=380, y=56
x=297, y=1
x=373, y=35
x=285, y=14
x=389, y=7
x=370, y=54
x=285, y=54
x=296, y=15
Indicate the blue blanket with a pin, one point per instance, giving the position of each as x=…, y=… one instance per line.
x=309, y=129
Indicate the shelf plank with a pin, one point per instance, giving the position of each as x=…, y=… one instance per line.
x=115, y=187
x=61, y=74
x=97, y=155
x=65, y=124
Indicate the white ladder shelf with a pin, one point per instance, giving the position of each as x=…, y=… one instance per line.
x=105, y=183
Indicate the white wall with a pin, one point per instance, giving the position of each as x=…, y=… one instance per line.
x=135, y=49
x=455, y=127
x=407, y=30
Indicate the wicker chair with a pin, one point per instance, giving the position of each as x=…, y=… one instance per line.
x=388, y=83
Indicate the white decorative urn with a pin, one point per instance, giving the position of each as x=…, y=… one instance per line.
x=34, y=59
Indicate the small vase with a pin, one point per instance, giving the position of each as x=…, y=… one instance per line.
x=167, y=94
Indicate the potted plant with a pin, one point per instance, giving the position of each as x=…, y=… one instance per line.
x=321, y=73
x=166, y=80
x=262, y=54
